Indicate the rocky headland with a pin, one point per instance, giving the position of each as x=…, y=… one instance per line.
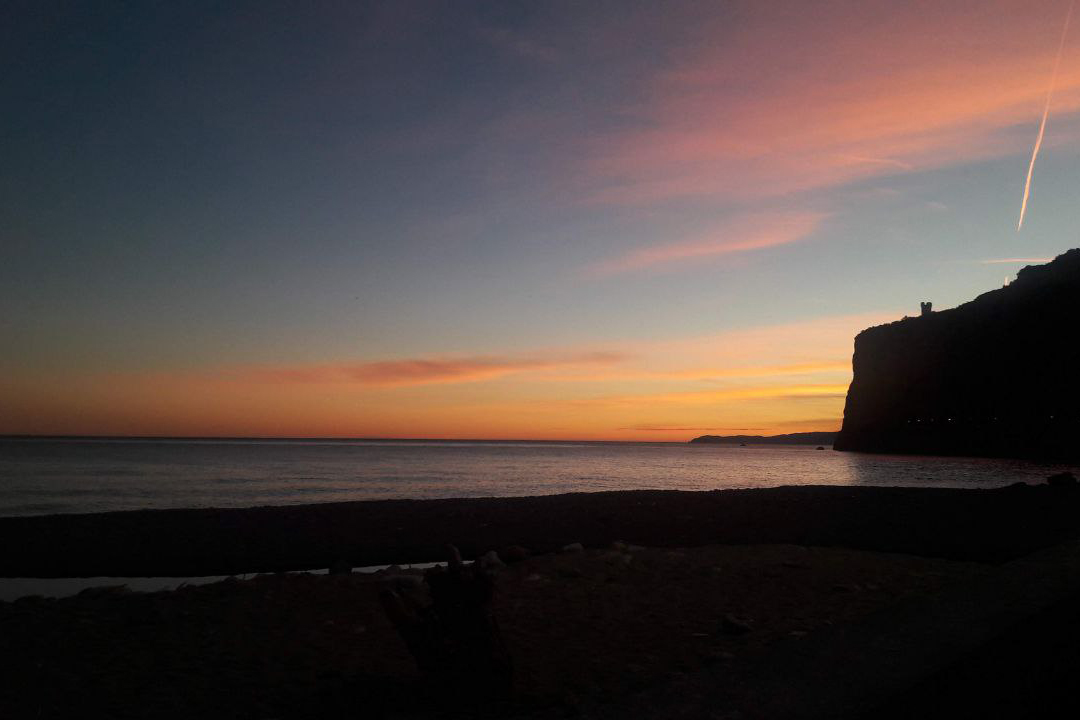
x=998, y=376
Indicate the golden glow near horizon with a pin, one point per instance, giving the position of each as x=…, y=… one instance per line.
x=755, y=381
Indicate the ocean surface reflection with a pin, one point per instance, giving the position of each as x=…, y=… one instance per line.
x=51, y=476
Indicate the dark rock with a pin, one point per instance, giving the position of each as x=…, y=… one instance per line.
x=614, y=557
x=340, y=567
x=513, y=554
x=491, y=561
x=717, y=655
x=455, y=640
x=405, y=582
x=573, y=548
x=734, y=625
x=104, y=591
x=996, y=376
x=1062, y=479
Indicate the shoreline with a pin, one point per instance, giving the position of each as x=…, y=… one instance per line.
x=991, y=525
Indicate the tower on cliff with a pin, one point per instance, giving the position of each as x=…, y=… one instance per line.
x=926, y=307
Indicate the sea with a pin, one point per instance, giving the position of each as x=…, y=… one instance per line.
x=40, y=476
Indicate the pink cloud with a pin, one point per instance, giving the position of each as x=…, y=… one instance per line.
x=1015, y=261
x=742, y=235
x=429, y=371
x=789, y=97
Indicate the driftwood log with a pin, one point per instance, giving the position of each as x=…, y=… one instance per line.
x=455, y=639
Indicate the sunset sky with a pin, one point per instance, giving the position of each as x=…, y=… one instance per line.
x=581, y=220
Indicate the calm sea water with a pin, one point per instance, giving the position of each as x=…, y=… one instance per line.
x=71, y=476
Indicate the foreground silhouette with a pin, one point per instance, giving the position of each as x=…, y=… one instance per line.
x=787, y=619
x=455, y=639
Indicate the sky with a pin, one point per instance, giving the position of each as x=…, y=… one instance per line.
x=548, y=220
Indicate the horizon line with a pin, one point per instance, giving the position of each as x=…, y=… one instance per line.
x=25, y=436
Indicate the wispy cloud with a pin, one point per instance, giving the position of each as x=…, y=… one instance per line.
x=432, y=370
x=1014, y=261
x=518, y=45
x=888, y=162
x=710, y=373
x=662, y=428
x=821, y=423
x=866, y=89
x=785, y=392
x=744, y=234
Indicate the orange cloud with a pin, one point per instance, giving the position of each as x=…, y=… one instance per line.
x=711, y=373
x=789, y=97
x=742, y=235
x=649, y=428
x=784, y=391
x=772, y=370
x=427, y=371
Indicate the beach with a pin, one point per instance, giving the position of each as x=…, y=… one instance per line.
x=986, y=525
x=699, y=591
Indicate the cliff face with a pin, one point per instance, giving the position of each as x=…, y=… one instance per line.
x=997, y=376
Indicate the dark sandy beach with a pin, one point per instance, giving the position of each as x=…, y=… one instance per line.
x=693, y=614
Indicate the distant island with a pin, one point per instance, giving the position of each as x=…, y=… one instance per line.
x=996, y=377
x=803, y=438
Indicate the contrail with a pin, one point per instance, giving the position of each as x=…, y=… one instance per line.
x=1046, y=113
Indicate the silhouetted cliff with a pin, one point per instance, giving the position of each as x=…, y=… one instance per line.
x=997, y=376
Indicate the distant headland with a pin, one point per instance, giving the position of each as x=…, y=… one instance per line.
x=998, y=376
x=803, y=438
